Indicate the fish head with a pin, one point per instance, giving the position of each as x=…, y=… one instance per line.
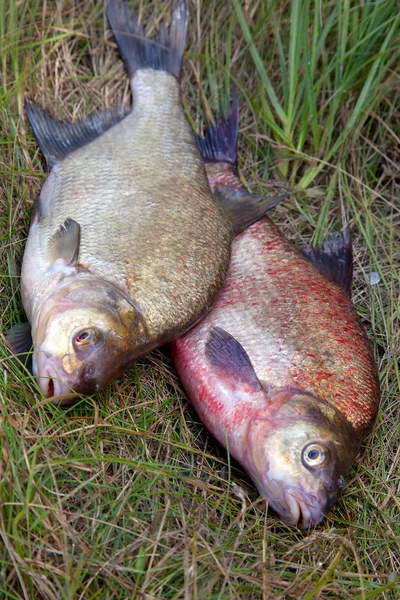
x=299, y=455
x=83, y=337
x=296, y=446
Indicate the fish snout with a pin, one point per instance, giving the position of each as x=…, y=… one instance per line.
x=297, y=508
x=306, y=510
x=303, y=511
x=48, y=376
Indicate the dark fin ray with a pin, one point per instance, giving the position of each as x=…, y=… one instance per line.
x=65, y=243
x=334, y=258
x=164, y=53
x=243, y=208
x=230, y=359
x=218, y=148
x=219, y=143
x=19, y=342
x=57, y=139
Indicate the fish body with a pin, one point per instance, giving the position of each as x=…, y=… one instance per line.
x=281, y=371
x=149, y=223
x=128, y=247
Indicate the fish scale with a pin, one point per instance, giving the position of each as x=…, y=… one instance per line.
x=105, y=168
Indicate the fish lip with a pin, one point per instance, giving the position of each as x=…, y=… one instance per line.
x=48, y=378
x=307, y=509
x=50, y=385
x=297, y=508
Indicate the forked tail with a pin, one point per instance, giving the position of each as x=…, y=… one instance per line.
x=219, y=143
x=163, y=53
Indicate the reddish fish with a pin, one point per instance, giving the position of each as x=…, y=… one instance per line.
x=280, y=370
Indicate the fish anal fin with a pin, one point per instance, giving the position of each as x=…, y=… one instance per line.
x=219, y=143
x=57, y=139
x=242, y=207
x=334, y=258
x=229, y=360
x=65, y=243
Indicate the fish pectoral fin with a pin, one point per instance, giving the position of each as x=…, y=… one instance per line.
x=65, y=243
x=57, y=139
x=19, y=342
x=230, y=360
x=334, y=258
x=243, y=208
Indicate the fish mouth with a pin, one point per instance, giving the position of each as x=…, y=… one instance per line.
x=51, y=386
x=297, y=508
x=48, y=378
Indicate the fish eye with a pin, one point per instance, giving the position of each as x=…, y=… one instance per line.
x=86, y=337
x=314, y=455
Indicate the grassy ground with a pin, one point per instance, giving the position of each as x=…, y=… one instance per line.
x=125, y=495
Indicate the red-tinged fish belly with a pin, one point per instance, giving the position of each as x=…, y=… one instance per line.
x=225, y=417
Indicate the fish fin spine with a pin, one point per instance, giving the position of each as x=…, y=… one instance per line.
x=57, y=139
x=163, y=53
x=65, y=243
x=334, y=258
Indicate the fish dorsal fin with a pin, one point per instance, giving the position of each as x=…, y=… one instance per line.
x=57, y=139
x=219, y=143
x=218, y=148
x=65, y=243
x=334, y=258
x=230, y=360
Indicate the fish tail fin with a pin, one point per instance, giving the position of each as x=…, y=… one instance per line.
x=218, y=148
x=163, y=53
x=219, y=143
